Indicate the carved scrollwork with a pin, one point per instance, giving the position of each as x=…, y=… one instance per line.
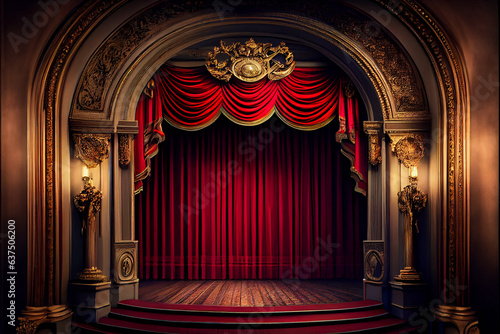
x=410, y=150
x=373, y=130
x=92, y=149
x=250, y=61
x=124, y=149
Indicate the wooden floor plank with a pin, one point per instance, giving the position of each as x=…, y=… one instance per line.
x=236, y=301
x=200, y=300
x=286, y=300
x=256, y=295
x=222, y=293
x=188, y=299
x=228, y=296
x=181, y=295
x=250, y=292
x=215, y=292
x=246, y=295
x=272, y=293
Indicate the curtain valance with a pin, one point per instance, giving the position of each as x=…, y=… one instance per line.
x=191, y=99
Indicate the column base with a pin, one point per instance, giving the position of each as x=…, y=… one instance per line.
x=406, y=298
x=462, y=318
x=91, y=275
x=408, y=274
x=40, y=319
x=91, y=301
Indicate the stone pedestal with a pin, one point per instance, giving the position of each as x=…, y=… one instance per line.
x=61, y=326
x=406, y=298
x=90, y=301
x=124, y=291
x=378, y=291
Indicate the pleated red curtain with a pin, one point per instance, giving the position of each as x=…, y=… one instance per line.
x=262, y=202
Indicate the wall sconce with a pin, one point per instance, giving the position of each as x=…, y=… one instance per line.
x=88, y=203
x=411, y=201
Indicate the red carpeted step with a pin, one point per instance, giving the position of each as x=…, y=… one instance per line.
x=178, y=308
x=375, y=326
x=257, y=320
x=133, y=316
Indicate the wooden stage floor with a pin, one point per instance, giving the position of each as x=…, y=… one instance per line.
x=250, y=292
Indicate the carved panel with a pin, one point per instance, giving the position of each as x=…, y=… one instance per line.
x=124, y=149
x=125, y=262
x=395, y=64
x=92, y=149
x=373, y=251
x=107, y=60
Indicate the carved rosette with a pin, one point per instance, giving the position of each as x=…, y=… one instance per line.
x=373, y=130
x=410, y=150
x=124, y=149
x=92, y=149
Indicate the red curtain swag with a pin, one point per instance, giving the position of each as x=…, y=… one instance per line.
x=262, y=202
x=191, y=99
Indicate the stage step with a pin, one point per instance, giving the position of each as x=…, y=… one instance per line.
x=134, y=316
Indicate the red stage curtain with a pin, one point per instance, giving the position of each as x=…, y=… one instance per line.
x=191, y=99
x=262, y=202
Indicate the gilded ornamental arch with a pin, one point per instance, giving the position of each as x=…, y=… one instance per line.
x=385, y=75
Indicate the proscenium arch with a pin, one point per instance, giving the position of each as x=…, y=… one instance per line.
x=448, y=71
x=335, y=46
x=123, y=89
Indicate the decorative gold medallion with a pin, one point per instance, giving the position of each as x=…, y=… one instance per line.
x=250, y=62
x=410, y=150
x=92, y=148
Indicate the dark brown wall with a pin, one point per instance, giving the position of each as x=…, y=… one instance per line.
x=474, y=26
x=29, y=25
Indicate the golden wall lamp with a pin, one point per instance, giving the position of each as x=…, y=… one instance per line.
x=92, y=149
x=411, y=200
